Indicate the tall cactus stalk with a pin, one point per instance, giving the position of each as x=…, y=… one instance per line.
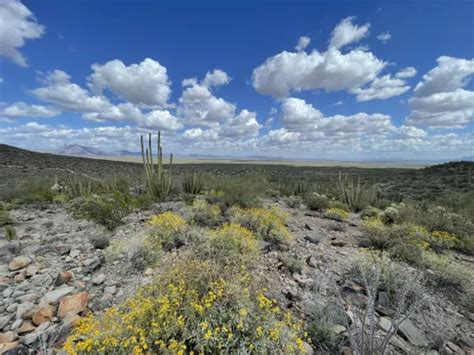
x=351, y=193
x=157, y=179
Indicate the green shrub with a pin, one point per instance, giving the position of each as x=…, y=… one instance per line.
x=293, y=201
x=10, y=233
x=369, y=212
x=336, y=214
x=292, y=187
x=5, y=218
x=205, y=214
x=291, y=263
x=32, y=190
x=316, y=202
x=338, y=204
x=322, y=326
x=244, y=192
x=107, y=210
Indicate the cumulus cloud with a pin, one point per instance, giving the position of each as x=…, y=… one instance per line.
x=407, y=72
x=198, y=106
x=17, y=24
x=384, y=37
x=303, y=42
x=60, y=91
x=440, y=100
x=331, y=71
x=146, y=83
x=346, y=32
x=21, y=109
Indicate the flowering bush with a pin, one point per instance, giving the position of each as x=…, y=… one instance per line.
x=441, y=240
x=337, y=214
x=167, y=227
x=267, y=224
x=191, y=310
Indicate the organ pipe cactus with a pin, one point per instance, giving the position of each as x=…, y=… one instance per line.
x=157, y=179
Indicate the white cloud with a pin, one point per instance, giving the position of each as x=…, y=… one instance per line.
x=331, y=71
x=407, y=72
x=160, y=119
x=303, y=42
x=17, y=24
x=298, y=115
x=384, y=37
x=146, y=83
x=440, y=100
x=346, y=32
x=216, y=78
x=21, y=109
x=244, y=125
x=196, y=134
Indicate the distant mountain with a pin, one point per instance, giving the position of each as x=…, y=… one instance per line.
x=127, y=152
x=76, y=149
x=471, y=158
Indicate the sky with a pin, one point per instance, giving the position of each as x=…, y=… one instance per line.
x=349, y=80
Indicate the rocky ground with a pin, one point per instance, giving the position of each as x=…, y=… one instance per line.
x=59, y=269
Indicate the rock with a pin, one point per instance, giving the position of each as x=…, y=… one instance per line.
x=92, y=263
x=100, y=241
x=311, y=261
x=4, y=321
x=19, y=262
x=149, y=272
x=385, y=323
x=8, y=337
x=6, y=348
x=352, y=296
x=63, y=249
x=382, y=299
x=70, y=320
x=7, y=292
x=26, y=327
x=25, y=310
x=30, y=297
x=400, y=343
x=338, y=243
x=54, y=296
x=307, y=349
x=98, y=279
x=308, y=227
x=43, y=313
x=4, y=282
x=20, y=277
x=302, y=280
x=312, y=239
x=110, y=289
x=73, y=304
x=14, y=246
x=75, y=253
x=30, y=338
x=32, y=270
x=16, y=324
x=338, y=329
x=291, y=293
x=47, y=224
x=63, y=278
x=345, y=350
x=412, y=333
x=454, y=348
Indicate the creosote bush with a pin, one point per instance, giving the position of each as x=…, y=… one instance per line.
x=244, y=192
x=107, y=210
x=194, y=306
x=267, y=224
x=10, y=233
x=316, y=202
x=5, y=218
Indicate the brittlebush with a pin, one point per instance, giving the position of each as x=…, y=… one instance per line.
x=191, y=310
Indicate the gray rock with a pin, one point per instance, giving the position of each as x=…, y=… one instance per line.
x=16, y=324
x=25, y=310
x=100, y=241
x=7, y=292
x=302, y=280
x=4, y=321
x=55, y=295
x=312, y=239
x=412, y=333
x=385, y=323
x=30, y=297
x=311, y=261
x=97, y=280
x=75, y=253
x=110, y=289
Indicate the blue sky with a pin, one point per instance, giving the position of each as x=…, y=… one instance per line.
x=376, y=80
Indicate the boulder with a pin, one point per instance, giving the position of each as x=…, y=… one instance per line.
x=26, y=327
x=19, y=262
x=4, y=321
x=63, y=278
x=312, y=239
x=73, y=304
x=5, y=347
x=55, y=295
x=412, y=333
x=25, y=310
x=98, y=279
x=32, y=270
x=43, y=313
x=8, y=337
x=100, y=241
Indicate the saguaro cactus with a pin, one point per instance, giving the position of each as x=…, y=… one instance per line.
x=157, y=179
